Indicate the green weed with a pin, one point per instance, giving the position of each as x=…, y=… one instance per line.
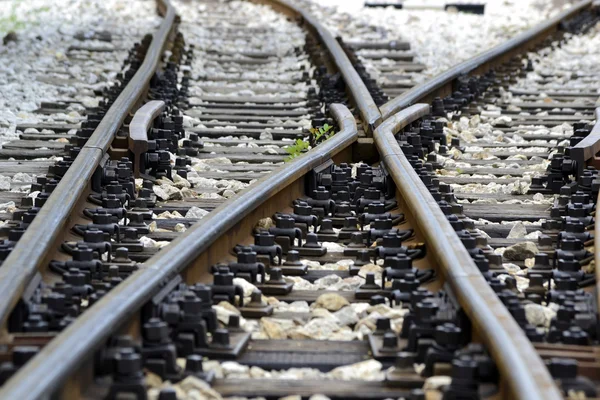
x=317, y=135
x=296, y=149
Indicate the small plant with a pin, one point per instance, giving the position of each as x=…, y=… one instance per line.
x=325, y=131
x=296, y=149
x=300, y=145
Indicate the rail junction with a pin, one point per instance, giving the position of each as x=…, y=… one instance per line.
x=271, y=222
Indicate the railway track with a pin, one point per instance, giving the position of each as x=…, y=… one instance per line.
x=81, y=70
x=187, y=260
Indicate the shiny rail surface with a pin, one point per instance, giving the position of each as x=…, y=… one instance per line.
x=66, y=352
x=23, y=262
x=522, y=369
x=520, y=365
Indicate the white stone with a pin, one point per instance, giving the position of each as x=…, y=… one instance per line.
x=518, y=231
x=233, y=368
x=265, y=223
x=4, y=183
x=327, y=281
x=370, y=268
x=275, y=328
x=180, y=227
x=225, y=310
x=167, y=192
x=369, y=370
x=436, y=382
x=317, y=328
x=535, y=314
x=346, y=316
x=520, y=251
x=196, y=212
x=512, y=269
x=330, y=301
x=246, y=286
x=181, y=182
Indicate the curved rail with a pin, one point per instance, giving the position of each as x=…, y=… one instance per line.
x=442, y=84
x=24, y=260
x=523, y=370
x=62, y=356
x=369, y=111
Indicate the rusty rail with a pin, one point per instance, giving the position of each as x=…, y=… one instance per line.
x=65, y=353
x=25, y=259
x=443, y=84
x=519, y=364
x=138, y=130
x=587, y=149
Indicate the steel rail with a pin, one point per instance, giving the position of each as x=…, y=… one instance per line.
x=585, y=150
x=442, y=84
x=62, y=356
x=36, y=244
x=62, y=351
x=369, y=111
x=524, y=371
